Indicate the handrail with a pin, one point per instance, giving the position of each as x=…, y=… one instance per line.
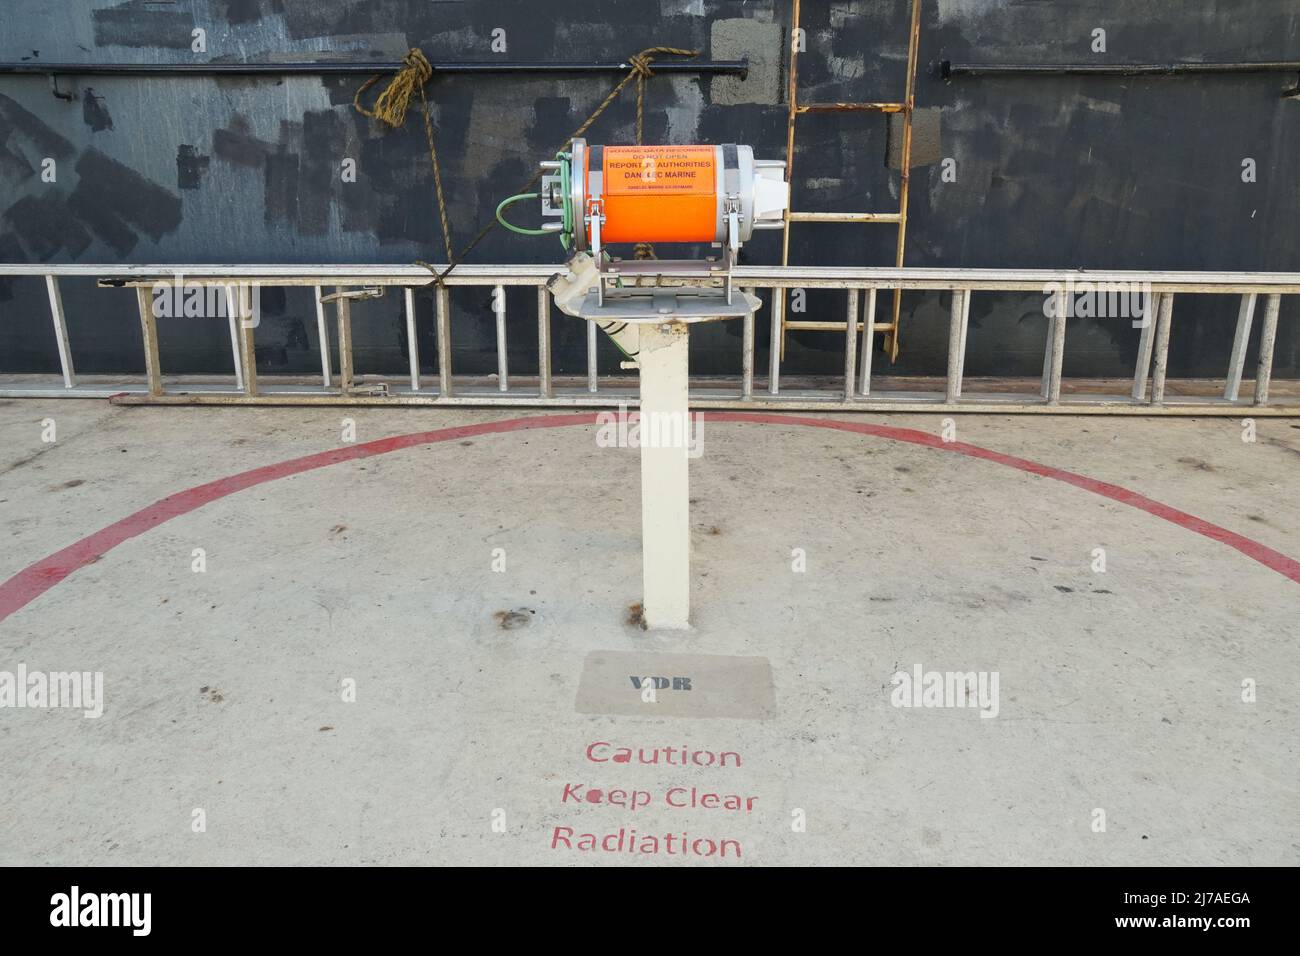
x=1147, y=295
x=941, y=279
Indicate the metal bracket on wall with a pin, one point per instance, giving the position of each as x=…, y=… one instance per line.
x=58, y=93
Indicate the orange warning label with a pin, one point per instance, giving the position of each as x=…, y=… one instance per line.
x=659, y=169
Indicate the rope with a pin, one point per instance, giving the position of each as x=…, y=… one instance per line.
x=642, y=71
x=394, y=101
x=390, y=108
x=391, y=105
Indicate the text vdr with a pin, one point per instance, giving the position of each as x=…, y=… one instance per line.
x=680, y=798
x=661, y=683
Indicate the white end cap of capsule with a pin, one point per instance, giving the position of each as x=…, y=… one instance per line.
x=771, y=195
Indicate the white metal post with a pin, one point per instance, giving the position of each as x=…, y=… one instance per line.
x=247, y=347
x=499, y=307
x=232, y=319
x=850, y=344
x=957, y=325
x=322, y=333
x=442, y=301
x=665, y=489
x=747, y=355
x=1237, y=363
x=1142, y=369
x=61, y=332
x=545, y=388
x=868, y=343
x=412, y=339
x=1054, y=355
x=1164, y=324
x=774, y=350
x=1267, y=342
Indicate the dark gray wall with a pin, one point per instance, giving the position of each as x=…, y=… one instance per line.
x=1065, y=172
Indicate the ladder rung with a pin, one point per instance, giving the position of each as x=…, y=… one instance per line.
x=851, y=108
x=813, y=326
x=845, y=217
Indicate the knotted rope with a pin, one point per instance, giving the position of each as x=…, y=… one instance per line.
x=393, y=103
x=390, y=108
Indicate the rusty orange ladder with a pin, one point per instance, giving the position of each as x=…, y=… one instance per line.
x=899, y=218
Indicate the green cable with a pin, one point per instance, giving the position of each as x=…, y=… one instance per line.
x=511, y=226
x=566, y=235
x=568, y=224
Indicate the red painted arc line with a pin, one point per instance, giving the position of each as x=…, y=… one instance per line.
x=33, y=581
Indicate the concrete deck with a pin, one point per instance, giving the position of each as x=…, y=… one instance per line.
x=223, y=690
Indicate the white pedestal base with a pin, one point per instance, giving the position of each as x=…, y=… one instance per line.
x=665, y=491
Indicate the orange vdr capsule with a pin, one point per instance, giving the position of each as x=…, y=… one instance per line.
x=661, y=193
x=685, y=194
